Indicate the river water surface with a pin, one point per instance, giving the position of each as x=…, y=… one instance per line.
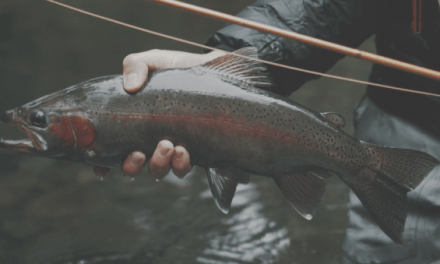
x=59, y=212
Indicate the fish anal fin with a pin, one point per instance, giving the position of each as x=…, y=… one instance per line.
x=239, y=69
x=303, y=189
x=335, y=119
x=223, y=184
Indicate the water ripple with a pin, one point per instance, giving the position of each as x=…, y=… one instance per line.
x=251, y=237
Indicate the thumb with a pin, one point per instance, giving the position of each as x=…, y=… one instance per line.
x=135, y=74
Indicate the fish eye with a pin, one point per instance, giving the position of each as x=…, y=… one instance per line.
x=38, y=119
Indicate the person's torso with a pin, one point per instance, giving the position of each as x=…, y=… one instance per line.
x=395, y=38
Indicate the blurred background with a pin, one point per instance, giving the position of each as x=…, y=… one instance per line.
x=59, y=212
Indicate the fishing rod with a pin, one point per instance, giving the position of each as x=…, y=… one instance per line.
x=250, y=58
x=368, y=56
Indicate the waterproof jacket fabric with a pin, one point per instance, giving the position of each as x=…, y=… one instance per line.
x=383, y=117
x=347, y=22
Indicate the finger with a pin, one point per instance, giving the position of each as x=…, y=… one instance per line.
x=181, y=162
x=134, y=163
x=160, y=161
x=135, y=73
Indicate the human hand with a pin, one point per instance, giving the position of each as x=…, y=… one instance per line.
x=136, y=67
x=165, y=156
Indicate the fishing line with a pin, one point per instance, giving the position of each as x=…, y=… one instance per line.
x=239, y=55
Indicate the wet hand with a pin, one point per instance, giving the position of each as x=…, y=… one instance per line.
x=136, y=67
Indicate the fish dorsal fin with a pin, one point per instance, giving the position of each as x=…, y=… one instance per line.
x=223, y=184
x=335, y=119
x=234, y=68
x=303, y=189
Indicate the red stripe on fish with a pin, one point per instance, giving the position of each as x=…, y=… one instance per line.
x=213, y=122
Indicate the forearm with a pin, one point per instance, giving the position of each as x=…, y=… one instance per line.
x=347, y=22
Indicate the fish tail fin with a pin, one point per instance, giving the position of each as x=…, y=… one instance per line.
x=382, y=186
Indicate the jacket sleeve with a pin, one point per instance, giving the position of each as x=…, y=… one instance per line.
x=347, y=22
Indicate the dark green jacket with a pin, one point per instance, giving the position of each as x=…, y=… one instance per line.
x=348, y=22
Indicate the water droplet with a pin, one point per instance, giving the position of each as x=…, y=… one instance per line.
x=102, y=178
x=157, y=180
x=132, y=178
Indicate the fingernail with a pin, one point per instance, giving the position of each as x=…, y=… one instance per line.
x=131, y=81
x=178, y=154
x=164, y=151
x=137, y=158
x=135, y=161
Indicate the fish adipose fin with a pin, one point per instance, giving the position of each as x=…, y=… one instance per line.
x=303, y=189
x=335, y=119
x=240, y=69
x=382, y=189
x=223, y=184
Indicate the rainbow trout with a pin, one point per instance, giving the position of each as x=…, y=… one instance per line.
x=229, y=126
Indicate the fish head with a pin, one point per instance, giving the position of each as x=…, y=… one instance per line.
x=55, y=127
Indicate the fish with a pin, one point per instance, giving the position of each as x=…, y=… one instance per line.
x=224, y=113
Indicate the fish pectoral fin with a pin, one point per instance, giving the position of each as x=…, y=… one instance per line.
x=223, y=184
x=303, y=189
x=335, y=119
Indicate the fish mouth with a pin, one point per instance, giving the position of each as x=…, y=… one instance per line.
x=23, y=145
x=33, y=143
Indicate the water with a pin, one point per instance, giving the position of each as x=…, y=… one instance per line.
x=59, y=212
